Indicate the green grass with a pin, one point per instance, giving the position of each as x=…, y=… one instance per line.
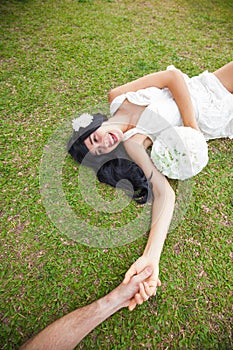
x=60, y=58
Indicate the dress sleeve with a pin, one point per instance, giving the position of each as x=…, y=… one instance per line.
x=142, y=97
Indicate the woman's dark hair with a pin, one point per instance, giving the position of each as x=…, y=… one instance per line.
x=110, y=168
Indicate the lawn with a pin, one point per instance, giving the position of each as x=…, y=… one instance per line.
x=59, y=59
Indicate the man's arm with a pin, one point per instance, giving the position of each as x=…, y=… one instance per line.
x=68, y=331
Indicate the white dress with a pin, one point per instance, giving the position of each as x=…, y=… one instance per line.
x=213, y=107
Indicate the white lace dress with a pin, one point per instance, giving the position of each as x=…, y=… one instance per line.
x=180, y=152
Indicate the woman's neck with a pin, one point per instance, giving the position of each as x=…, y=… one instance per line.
x=127, y=115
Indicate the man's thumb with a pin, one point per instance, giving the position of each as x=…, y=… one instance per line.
x=145, y=273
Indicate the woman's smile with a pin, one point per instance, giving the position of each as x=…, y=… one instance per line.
x=113, y=139
x=103, y=141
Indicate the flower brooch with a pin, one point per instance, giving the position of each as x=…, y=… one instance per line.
x=82, y=122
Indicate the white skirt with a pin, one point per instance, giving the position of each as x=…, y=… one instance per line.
x=212, y=102
x=213, y=105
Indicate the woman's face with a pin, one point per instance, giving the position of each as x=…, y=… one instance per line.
x=105, y=139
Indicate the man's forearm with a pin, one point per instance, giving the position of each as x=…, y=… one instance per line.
x=68, y=331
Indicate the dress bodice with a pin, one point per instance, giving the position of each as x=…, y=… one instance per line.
x=212, y=103
x=160, y=113
x=177, y=151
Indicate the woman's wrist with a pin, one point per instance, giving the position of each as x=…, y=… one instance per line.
x=192, y=124
x=149, y=252
x=153, y=248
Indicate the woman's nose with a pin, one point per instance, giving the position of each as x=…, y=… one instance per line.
x=105, y=142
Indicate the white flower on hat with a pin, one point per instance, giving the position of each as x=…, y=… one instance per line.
x=82, y=122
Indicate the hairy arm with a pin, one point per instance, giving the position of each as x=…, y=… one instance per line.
x=171, y=79
x=68, y=331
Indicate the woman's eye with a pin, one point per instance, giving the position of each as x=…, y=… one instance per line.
x=95, y=139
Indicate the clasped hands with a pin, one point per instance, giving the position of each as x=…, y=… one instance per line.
x=148, y=287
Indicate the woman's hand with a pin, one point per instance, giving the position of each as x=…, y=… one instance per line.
x=148, y=287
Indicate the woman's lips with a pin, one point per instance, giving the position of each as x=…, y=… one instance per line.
x=113, y=139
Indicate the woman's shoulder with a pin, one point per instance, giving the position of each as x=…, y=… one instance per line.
x=142, y=97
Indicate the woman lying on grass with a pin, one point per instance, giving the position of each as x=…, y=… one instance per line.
x=175, y=115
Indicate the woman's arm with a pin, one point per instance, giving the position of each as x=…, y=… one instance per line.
x=162, y=211
x=225, y=75
x=171, y=79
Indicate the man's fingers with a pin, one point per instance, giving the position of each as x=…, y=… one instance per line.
x=153, y=287
x=132, y=304
x=152, y=283
x=148, y=290
x=143, y=292
x=159, y=283
x=144, y=274
x=138, y=299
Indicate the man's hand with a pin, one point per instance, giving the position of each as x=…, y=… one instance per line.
x=148, y=287
x=68, y=331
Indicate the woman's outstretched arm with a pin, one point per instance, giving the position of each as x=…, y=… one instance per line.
x=173, y=80
x=162, y=211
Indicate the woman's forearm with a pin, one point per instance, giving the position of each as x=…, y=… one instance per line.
x=181, y=95
x=162, y=212
x=173, y=80
x=163, y=202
